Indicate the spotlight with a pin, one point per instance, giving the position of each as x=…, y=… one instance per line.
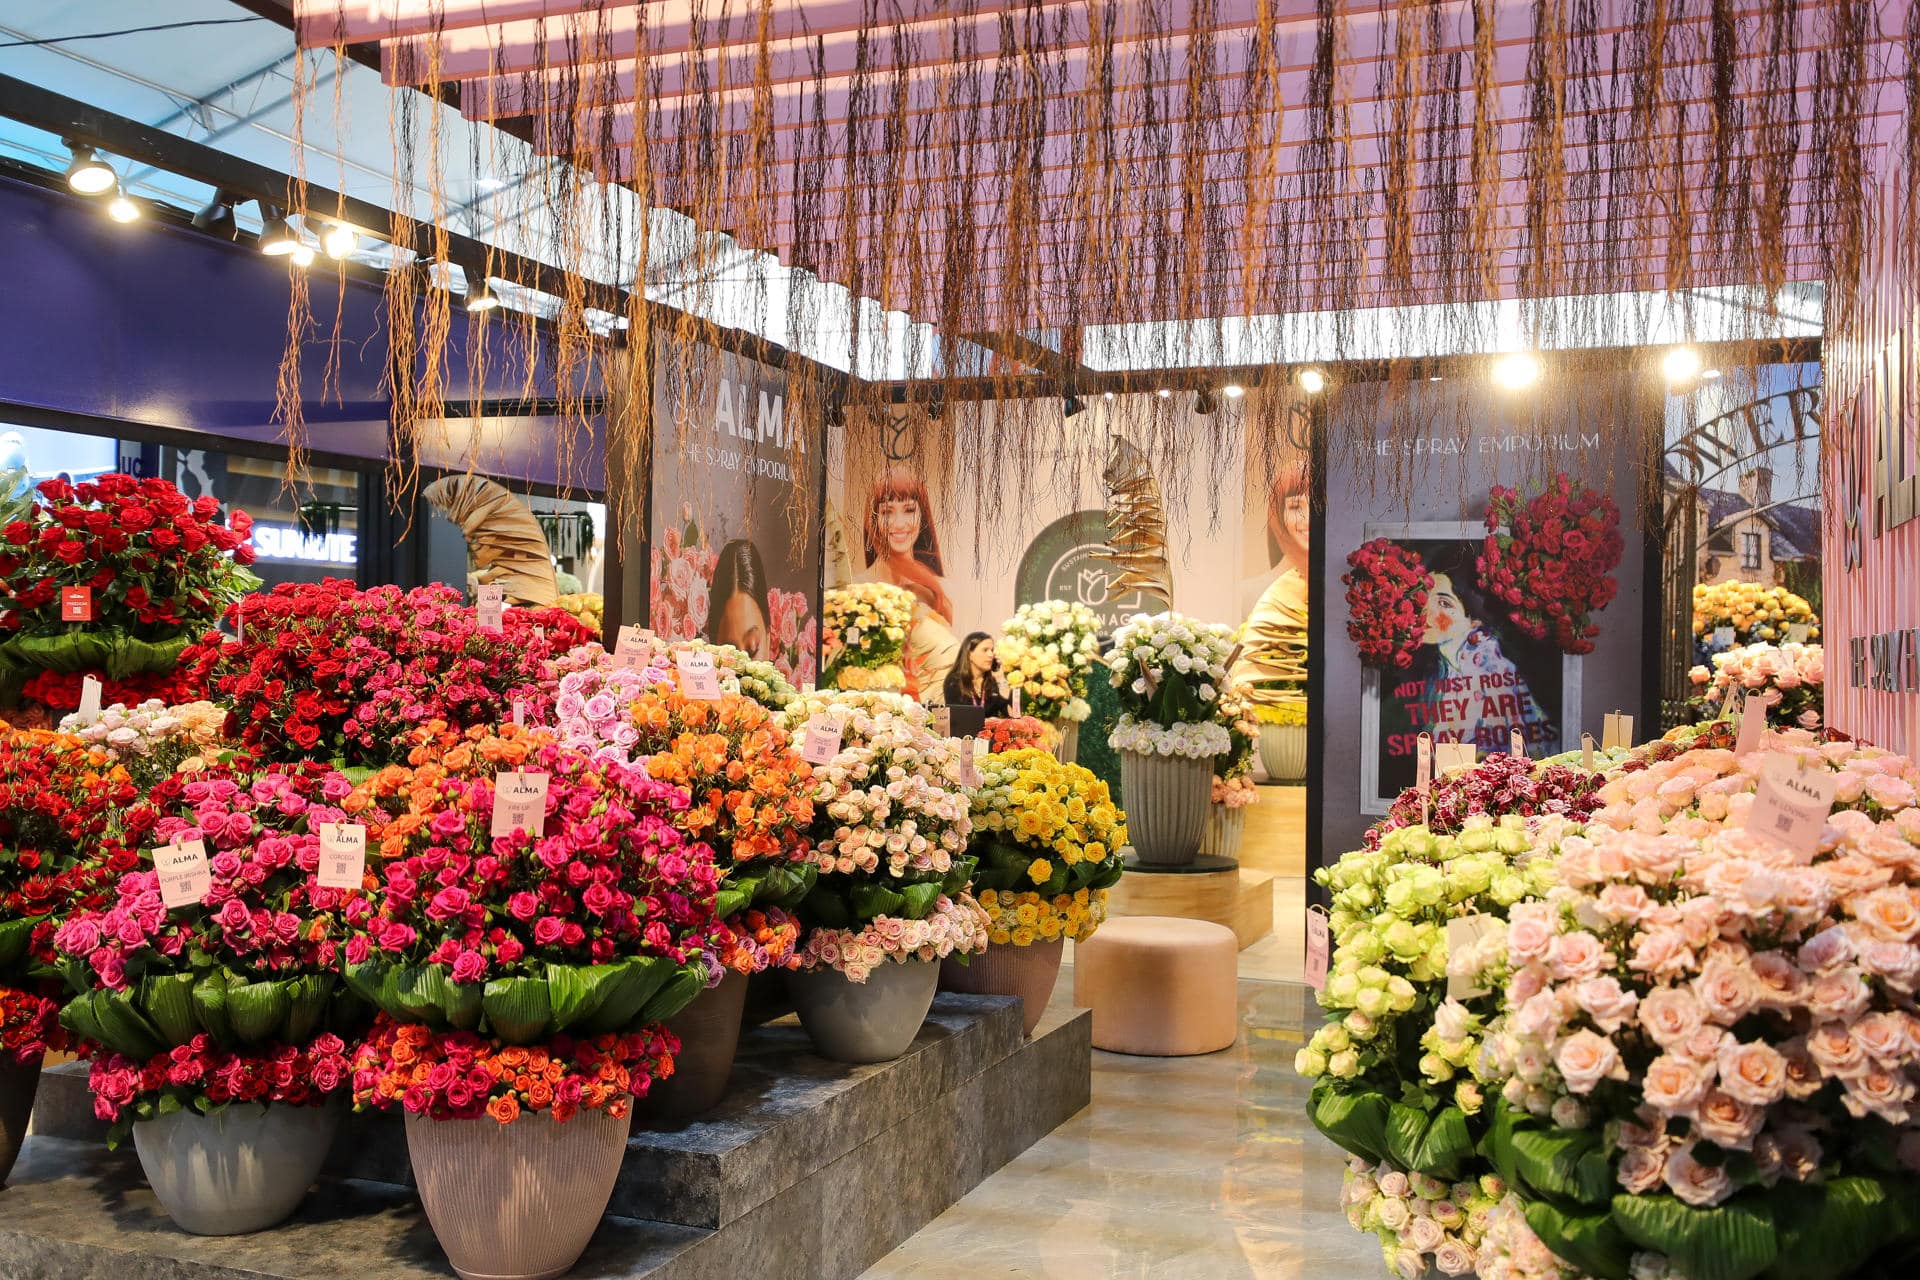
x=836, y=412
x=1108, y=395
x=937, y=404
x=1233, y=391
x=340, y=241
x=302, y=255
x=217, y=217
x=1312, y=381
x=275, y=240
x=123, y=209
x=480, y=294
x=1708, y=375
x=1072, y=405
x=1165, y=393
x=1433, y=377
x=1203, y=401
x=1516, y=369
x=1680, y=364
x=89, y=174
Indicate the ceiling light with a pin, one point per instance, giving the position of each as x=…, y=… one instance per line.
x=302, y=255
x=340, y=241
x=1164, y=393
x=1233, y=391
x=89, y=174
x=218, y=217
x=123, y=209
x=1433, y=377
x=1680, y=364
x=275, y=240
x=1109, y=395
x=1072, y=405
x=1203, y=401
x=1516, y=369
x=1709, y=374
x=1312, y=381
x=480, y=296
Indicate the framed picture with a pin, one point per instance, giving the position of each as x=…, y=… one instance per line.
x=1474, y=678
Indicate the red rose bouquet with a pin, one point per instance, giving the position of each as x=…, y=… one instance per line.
x=594, y=926
x=325, y=669
x=155, y=567
x=1387, y=586
x=1550, y=560
x=56, y=798
x=1499, y=786
x=1013, y=733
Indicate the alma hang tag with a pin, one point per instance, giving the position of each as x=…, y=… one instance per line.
x=491, y=605
x=184, y=874
x=1797, y=632
x=1517, y=742
x=1723, y=637
x=1792, y=804
x=343, y=855
x=697, y=677
x=520, y=803
x=969, y=767
x=1423, y=775
x=1319, y=947
x=822, y=740
x=76, y=604
x=519, y=713
x=630, y=647
x=89, y=700
x=943, y=722
x=1015, y=703
x=1586, y=752
x=1463, y=934
x=1753, y=725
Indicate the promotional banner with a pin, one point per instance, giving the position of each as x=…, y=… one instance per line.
x=735, y=533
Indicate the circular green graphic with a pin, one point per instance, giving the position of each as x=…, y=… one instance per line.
x=1064, y=563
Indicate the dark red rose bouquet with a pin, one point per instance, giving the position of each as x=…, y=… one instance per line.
x=1387, y=586
x=324, y=669
x=1550, y=560
x=155, y=568
x=1499, y=786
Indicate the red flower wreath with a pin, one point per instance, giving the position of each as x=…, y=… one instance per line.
x=1387, y=586
x=1550, y=561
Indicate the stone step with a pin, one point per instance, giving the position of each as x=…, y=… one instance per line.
x=808, y=1168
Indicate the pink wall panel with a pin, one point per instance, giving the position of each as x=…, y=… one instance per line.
x=1872, y=543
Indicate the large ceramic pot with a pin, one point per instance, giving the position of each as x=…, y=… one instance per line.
x=515, y=1201
x=1168, y=799
x=19, y=1082
x=243, y=1168
x=871, y=1021
x=709, y=1032
x=1067, y=750
x=1226, y=829
x=1283, y=751
x=1006, y=970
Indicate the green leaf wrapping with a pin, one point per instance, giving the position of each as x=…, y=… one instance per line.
x=517, y=1009
x=823, y=908
x=108, y=649
x=15, y=937
x=1554, y=1163
x=210, y=1008
x=637, y=980
x=310, y=994
x=1731, y=1241
x=108, y=1018
x=870, y=900
x=1590, y=1242
x=1442, y=1143
x=732, y=900
x=689, y=981
x=1497, y=1146
x=920, y=899
x=1831, y=1229
x=258, y=1010
x=578, y=992
x=167, y=1000
x=786, y=886
x=1356, y=1122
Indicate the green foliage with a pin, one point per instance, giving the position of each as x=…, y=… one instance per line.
x=1731, y=1241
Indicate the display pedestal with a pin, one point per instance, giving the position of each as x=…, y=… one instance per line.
x=806, y=1168
x=1216, y=889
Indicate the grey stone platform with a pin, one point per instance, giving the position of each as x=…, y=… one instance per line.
x=809, y=1168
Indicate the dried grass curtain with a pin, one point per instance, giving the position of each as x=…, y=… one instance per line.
x=991, y=200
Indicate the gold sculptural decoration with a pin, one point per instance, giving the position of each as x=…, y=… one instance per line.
x=1274, y=643
x=502, y=536
x=1136, y=526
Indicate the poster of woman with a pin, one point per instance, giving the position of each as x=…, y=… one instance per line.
x=1474, y=677
x=901, y=545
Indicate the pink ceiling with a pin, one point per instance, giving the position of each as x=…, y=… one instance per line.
x=887, y=153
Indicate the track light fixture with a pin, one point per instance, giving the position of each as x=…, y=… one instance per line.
x=122, y=209
x=340, y=241
x=1680, y=364
x=1203, y=402
x=1516, y=370
x=88, y=174
x=276, y=240
x=480, y=295
x=1071, y=405
x=1312, y=381
x=217, y=217
x=1233, y=391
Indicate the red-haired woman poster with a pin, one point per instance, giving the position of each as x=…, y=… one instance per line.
x=902, y=547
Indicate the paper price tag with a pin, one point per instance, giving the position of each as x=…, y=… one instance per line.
x=1723, y=636
x=1517, y=742
x=1319, y=948
x=1792, y=804
x=969, y=768
x=1015, y=702
x=343, y=855
x=630, y=647
x=1586, y=752
x=698, y=679
x=491, y=601
x=1463, y=933
x=1753, y=723
x=89, y=700
x=520, y=804
x=76, y=604
x=1618, y=735
x=1626, y=732
x=943, y=722
x=1797, y=632
x=519, y=714
x=822, y=740
x=1423, y=774
x=184, y=874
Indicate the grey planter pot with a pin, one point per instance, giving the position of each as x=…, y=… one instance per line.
x=515, y=1201
x=1283, y=751
x=19, y=1082
x=1006, y=970
x=871, y=1021
x=242, y=1169
x=1168, y=800
x=709, y=1032
x=1067, y=750
x=1226, y=831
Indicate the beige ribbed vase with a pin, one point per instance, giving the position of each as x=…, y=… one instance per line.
x=19, y=1082
x=1067, y=750
x=1226, y=831
x=1168, y=799
x=1283, y=751
x=515, y=1201
x=1006, y=970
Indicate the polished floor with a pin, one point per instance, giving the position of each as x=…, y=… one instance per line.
x=1181, y=1169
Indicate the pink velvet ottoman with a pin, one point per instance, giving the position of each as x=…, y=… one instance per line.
x=1159, y=986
